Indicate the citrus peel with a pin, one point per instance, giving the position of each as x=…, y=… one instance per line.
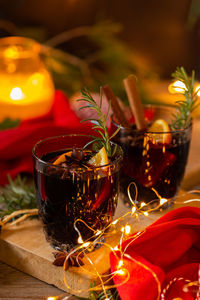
x=161, y=131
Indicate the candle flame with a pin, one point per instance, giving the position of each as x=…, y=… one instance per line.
x=16, y=94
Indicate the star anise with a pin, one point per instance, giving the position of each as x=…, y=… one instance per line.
x=74, y=260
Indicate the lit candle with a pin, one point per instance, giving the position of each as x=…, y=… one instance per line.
x=26, y=87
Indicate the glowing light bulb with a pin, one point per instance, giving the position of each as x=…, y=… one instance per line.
x=122, y=229
x=177, y=87
x=120, y=264
x=142, y=204
x=16, y=94
x=86, y=244
x=197, y=90
x=114, y=222
x=162, y=201
x=116, y=248
x=80, y=240
x=98, y=232
x=120, y=272
x=51, y=298
x=133, y=209
x=146, y=213
x=127, y=229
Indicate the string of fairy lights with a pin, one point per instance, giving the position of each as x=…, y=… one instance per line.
x=122, y=226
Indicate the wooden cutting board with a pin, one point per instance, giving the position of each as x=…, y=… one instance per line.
x=25, y=248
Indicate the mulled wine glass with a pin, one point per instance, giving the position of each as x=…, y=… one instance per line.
x=155, y=161
x=74, y=198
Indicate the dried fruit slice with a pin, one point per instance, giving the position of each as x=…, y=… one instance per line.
x=99, y=159
x=160, y=125
x=62, y=158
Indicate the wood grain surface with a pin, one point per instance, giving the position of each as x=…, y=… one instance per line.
x=17, y=285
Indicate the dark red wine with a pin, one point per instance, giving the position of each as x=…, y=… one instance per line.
x=161, y=168
x=153, y=165
x=74, y=190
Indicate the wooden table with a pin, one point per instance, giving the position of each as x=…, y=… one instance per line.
x=17, y=285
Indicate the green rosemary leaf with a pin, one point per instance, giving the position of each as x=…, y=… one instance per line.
x=91, y=142
x=99, y=125
x=114, y=134
x=182, y=117
x=109, y=105
x=100, y=99
x=18, y=194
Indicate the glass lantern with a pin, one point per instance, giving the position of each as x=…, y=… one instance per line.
x=26, y=87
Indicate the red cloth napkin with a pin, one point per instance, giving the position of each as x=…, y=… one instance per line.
x=170, y=247
x=17, y=143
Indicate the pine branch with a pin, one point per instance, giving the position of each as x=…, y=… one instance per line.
x=18, y=194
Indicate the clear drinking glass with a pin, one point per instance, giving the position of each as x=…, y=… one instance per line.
x=155, y=166
x=66, y=193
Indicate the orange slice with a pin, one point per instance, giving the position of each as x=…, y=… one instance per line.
x=162, y=126
x=62, y=158
x=99, y=159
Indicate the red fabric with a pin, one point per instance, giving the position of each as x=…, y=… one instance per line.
x=17, y=143
x=170, y=247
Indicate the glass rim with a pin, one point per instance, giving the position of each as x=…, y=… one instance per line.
x=29, y=46
x=151, y=132
x=48, y=164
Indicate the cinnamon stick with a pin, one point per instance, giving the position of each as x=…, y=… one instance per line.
x=118, y=112
x=134, y=101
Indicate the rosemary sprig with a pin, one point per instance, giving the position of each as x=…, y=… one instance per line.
x=111, y=294
x=182, y=118
x=18, y=194
x=99, y=125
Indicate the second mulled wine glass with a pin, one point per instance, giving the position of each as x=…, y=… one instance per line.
x=156, y=166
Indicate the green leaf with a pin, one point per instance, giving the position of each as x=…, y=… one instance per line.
x=182, y=117
x=99, y=125
x=18, y=194
x=8, y=123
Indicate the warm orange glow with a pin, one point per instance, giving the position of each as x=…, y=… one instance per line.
x=127, y=229
x=26, y=88
x=120, y=272
x=86, y=244
x=177, y=87
x=16, y=94
x=197, y=90
x=133, y=209
x=163, y=201
x=80, y=240
x=120, y=264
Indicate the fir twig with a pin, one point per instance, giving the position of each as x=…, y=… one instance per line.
x=18, y=194
x=182, y=118
x=99, y=125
